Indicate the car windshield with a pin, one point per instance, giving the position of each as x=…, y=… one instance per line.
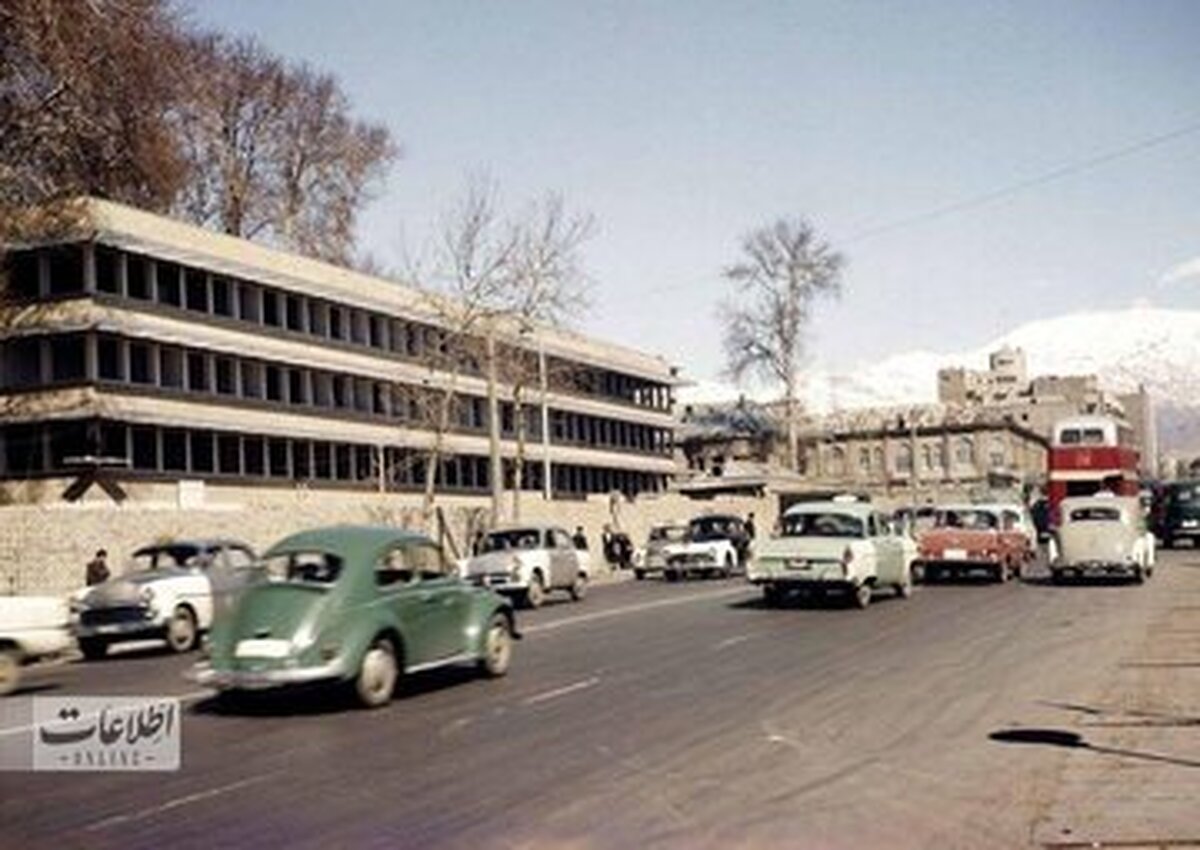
x=668, y=534
x=822, y=525
x=711, y=528
x=320, y=568
x=520, y=538
x=166, y=557
x=1096, y=515
x=970, y=520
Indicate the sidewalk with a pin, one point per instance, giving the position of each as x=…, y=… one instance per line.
x=1136, y=781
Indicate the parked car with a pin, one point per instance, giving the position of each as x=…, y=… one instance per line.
x=715, y=545
x=33, y=631
x=1179, y=514
x=360, y=605
x=653, y=558
x=997, y=540
x=169, y=591
x=1102, y=535
x=834, y=546
x=527, y=562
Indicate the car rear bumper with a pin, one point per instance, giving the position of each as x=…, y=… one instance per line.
x=257, y=680
x=119, y=631
x=1095, y=568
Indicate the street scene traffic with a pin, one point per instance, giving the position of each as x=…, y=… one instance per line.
x=582, y=426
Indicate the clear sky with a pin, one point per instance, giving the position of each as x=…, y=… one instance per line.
x=682, y=125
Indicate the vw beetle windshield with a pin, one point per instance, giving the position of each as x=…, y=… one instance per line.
x=166, y=557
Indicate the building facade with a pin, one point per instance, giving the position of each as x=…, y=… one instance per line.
x=148, y=349
x=920, y=454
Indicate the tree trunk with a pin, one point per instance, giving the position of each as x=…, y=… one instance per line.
x=519, y=459
x=435, y=456
x=496, y=468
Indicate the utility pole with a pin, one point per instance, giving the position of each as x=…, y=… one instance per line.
x=496, y=468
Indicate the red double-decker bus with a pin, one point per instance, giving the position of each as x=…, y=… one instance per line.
x=1088, y=455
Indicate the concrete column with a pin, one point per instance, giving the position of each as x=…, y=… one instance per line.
x=122, y=272
x=45, y=364
x=91, y=358
x=155, y=365
x=43, y=274
x=89, y=267
x=152, y=279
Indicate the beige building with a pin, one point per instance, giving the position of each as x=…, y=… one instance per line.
x=924, y=453
x=148, y=350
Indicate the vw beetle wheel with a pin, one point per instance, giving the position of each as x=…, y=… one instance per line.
x=862, y=595
x=182, y=633
x=377, y=675
x=497, y=648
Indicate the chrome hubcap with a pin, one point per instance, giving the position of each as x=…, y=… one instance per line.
x=499, y=647
x=378, y=671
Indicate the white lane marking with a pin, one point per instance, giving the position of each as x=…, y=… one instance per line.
x=563, y=691
x=630, y=609
x=185, y=800
x=184, y=699
x=732, y=641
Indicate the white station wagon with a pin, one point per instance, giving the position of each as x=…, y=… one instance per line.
x=837, y=546
x=1102, y=535
x=527, y=562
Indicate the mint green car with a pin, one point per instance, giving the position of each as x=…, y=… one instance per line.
x=359, y=605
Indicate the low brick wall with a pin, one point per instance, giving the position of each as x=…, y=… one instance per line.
x=44, y=544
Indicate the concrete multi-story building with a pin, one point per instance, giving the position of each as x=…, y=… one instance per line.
x=151, y=350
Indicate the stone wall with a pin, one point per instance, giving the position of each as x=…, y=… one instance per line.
x=45, y=543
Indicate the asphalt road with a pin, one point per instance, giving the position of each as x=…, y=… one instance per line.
x=650, y=715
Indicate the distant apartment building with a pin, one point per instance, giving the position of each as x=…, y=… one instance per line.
x=159, y=351
x=1006, y=390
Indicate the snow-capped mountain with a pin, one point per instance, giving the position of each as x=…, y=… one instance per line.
x=1155, y=347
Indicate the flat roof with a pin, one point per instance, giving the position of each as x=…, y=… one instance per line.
x=137, y=230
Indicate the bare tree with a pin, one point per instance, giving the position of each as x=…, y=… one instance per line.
x=273, y=151
x=784, y=268
x=546, y=286
x=493, y=281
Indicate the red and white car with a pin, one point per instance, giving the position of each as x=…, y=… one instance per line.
x=996, y=540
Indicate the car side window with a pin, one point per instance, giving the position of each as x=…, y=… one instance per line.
x=426, y=560
x=394, y=569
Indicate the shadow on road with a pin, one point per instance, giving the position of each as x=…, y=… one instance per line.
x=315, y=700
x=1072, y=740
x=810, y=602
x=1086, y=581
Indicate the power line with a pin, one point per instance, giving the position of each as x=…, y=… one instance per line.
x=1059, y=173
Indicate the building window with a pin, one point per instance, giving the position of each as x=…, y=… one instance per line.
x=110, y=366
x=174, y=443
x=145, y=449
x=168, y=285
x=295, y=313
x=24, y=275
x=106, y=270
x=66, y=269
x=229, y=454
x=197, y=290
x=202, y=451
x=904, y=459
x=964, y=452
x=249, y=303
x=68, y=358
x=197, y=372
x=222, y=296
x=139, y=363
x=225, y=375
x=998, y=455
x=864, y=459
x=170, y=367
x=137, y=277
x=271, y=314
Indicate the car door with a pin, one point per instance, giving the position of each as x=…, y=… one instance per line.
x=889, y=550
x=561, y=555
x=431, y=606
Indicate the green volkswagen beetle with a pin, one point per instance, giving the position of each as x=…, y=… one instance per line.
x=358, y=605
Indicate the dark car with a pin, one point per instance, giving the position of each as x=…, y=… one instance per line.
x=1179, y=514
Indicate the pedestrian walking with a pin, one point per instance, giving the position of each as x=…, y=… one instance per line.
x=579, y=539
x=750, y=525
x=97, y=568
